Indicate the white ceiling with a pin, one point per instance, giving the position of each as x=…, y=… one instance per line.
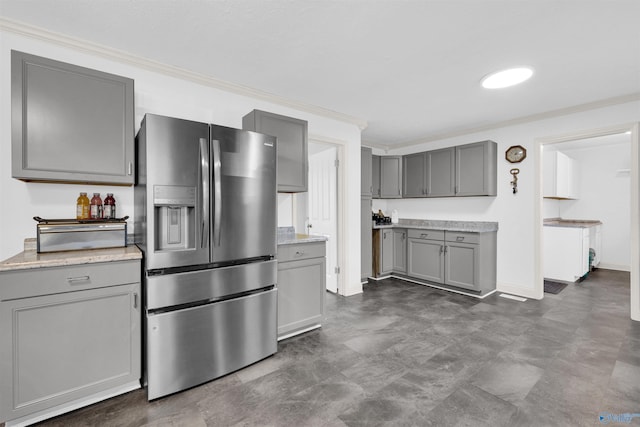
x=410, y=68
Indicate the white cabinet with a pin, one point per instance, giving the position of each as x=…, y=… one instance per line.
x=566, y=253
x=595, y=243
x=301, y=287
x=560, y=174
x=69, y=336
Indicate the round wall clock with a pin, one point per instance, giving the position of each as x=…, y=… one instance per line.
x=515, y=154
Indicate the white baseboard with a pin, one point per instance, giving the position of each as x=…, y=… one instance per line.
x=617, y=267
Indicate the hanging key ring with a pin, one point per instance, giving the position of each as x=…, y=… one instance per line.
x=514, y=171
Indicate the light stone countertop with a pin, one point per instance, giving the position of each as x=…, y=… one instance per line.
x=430, y=224
x=571, y=223
x=288, y=236
x=30, y=258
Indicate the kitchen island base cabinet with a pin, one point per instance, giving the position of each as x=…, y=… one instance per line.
x=64, y=350
x=301, y=287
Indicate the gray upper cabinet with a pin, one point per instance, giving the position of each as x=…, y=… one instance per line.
x=366, y=187
x=440, y=169
x=391, y=177
x=69, y=123
x=292, y=147
x=375, y=176
x=414, y=177
x=476, y=166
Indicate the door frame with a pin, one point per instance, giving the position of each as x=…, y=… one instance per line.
x=634, y=129
x=340, y=205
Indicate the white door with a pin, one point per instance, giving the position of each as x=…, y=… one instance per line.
x=322, y=197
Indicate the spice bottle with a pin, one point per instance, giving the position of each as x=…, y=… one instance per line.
x=109, y=208
x=82, y=207
x=96, y=206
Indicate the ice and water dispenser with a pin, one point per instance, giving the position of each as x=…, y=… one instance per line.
x=175, y=217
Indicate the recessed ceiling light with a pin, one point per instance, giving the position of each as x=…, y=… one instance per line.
x=506, y=78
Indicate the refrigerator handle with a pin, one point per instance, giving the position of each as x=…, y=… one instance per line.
x=217, y=192
x=204, y=185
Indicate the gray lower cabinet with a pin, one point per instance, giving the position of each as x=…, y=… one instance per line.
x=399, y=251
x=366, y=240
x=425, y=258
x=375, y=176
x=69, y=336
x=390, y=177
x=386, y=251
x=70, y=123
x=301, y=287
x=366, y=187
x=476, y=166
x=460, y=259
x=293, y=163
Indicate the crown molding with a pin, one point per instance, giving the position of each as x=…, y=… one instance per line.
x=525, y=119
x=63, y=40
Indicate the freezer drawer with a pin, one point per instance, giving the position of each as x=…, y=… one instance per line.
x=192, y=346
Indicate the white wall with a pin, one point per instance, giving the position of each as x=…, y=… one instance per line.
x=550, y=208
x=604, y=194
x=155, y=92
x=514, y=213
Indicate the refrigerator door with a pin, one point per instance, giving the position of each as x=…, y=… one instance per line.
x=175, y=159
x=243, y=181
x=191, y=346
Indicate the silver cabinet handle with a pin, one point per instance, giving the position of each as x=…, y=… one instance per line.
x=459, y=238
x=299, y=253
x=446, y=248
x=441, y=249
x=78, y=280
x=424, y=236
x=135, y=300
x=130, y=170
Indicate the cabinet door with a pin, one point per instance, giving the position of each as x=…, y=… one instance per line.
x=476, y=169
x=441, y=172
x=70, y=123
x=365, y=238
x=63, y=347
x=375, y=176
x=292, y=147
x=462, y=266
x=387, y=251
x=365, y=172
x=425, y=259
x=413, y=175
x=400, y=251
x=390, y=177
x=301, y=292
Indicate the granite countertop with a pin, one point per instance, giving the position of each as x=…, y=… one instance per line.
x=430, y=224
x=30, y=258
x=288, y=236
x=571, y=223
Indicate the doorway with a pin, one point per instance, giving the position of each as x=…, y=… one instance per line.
x=631, y=132
x=321, y=205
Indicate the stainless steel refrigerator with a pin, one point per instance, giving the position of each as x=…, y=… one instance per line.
x=205, y=218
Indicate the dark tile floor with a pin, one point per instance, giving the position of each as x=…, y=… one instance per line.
x=403, y=354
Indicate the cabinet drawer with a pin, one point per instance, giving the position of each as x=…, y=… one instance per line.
x=301, y=251
x=53, y=280
x=426, y=234
x=462, y=237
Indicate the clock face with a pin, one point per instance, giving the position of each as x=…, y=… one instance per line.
x=516, y=154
